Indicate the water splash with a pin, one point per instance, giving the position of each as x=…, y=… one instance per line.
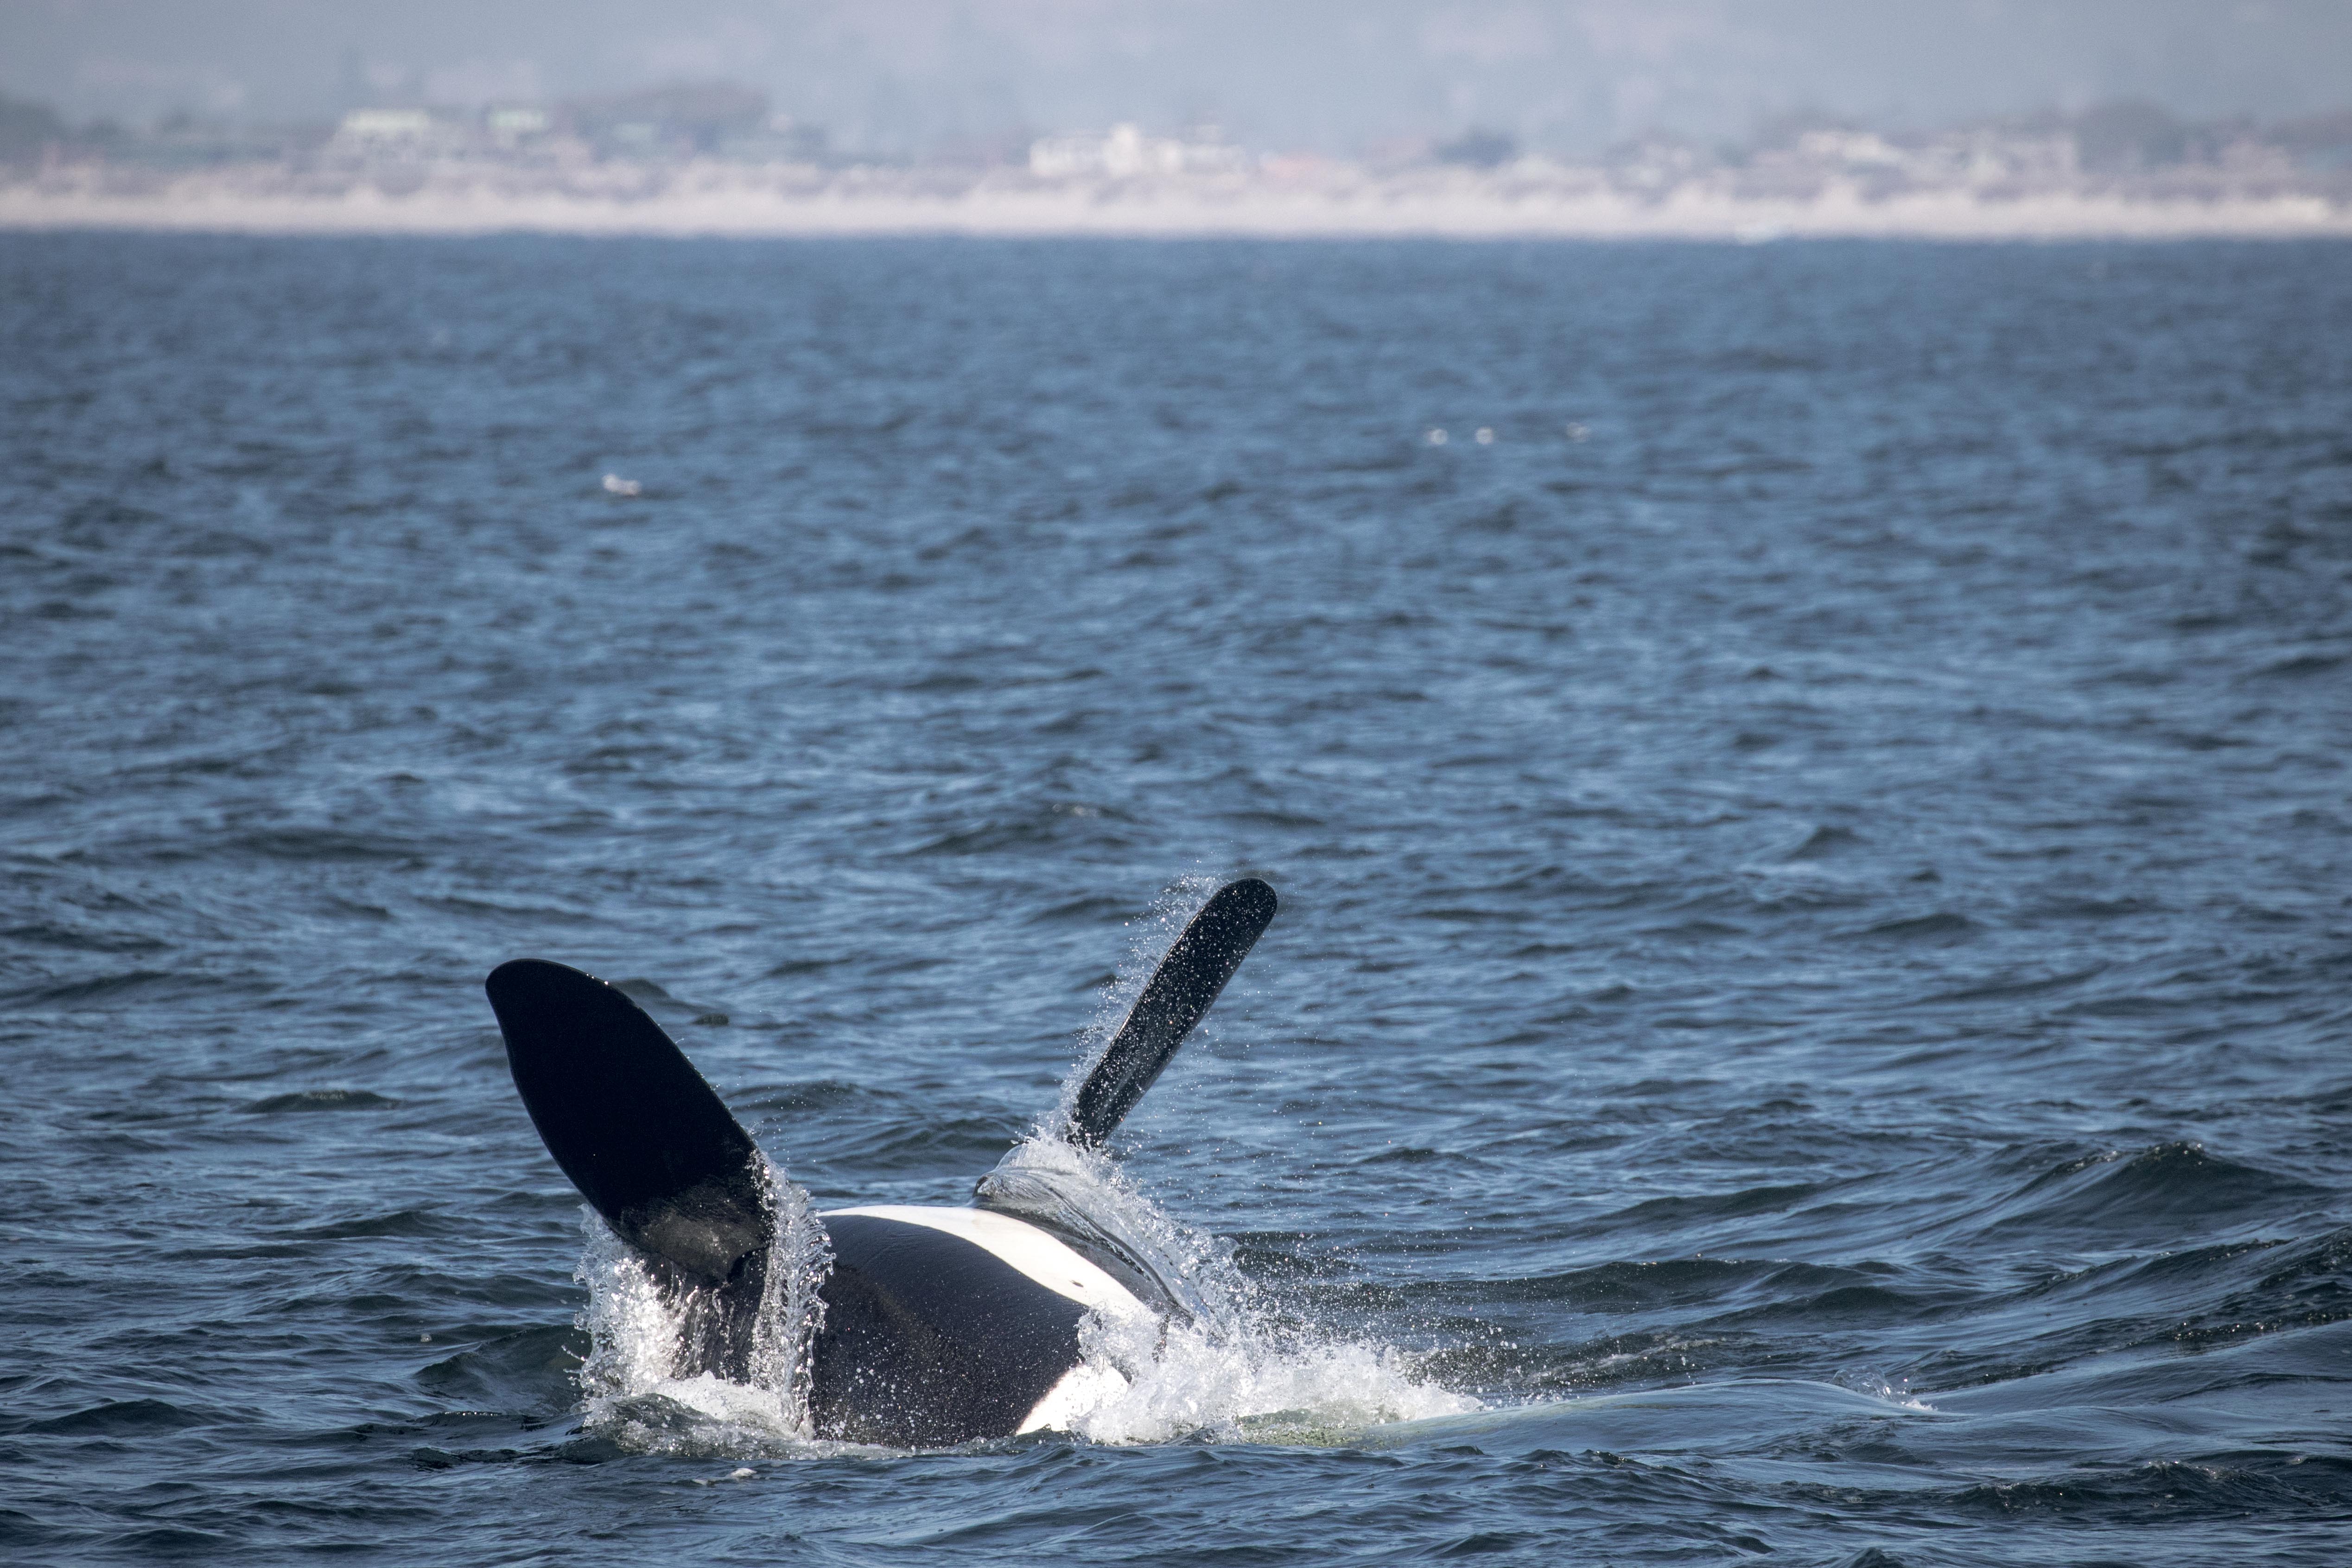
x=1215, y=1361
x=792, y=1307
x=1082, y=1197
x=1220, y=1367
x=1223, y=1365
x=633, y=1384
x=1256, y=1387
x=1154, y=933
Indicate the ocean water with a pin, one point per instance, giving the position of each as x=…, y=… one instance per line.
x=1809, y=1012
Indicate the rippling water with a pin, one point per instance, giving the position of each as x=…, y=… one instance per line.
x=1811, y=1001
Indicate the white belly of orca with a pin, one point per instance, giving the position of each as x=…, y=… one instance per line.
x=1045, y=1258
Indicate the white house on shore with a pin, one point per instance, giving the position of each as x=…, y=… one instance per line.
x=1126, y=152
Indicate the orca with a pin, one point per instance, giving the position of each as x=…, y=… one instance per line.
x=939, y=1325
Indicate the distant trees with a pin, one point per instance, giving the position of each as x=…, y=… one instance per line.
x=26, y=128
x=1478, y=149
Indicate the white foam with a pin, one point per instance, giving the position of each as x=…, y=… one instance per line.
x=1231, y=1373
x=1083, y=1389
x=1193, y=1384
x=632, y=1384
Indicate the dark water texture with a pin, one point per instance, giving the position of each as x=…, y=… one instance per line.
x=1816, y=964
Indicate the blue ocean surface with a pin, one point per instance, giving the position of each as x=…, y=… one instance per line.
x=1812, y=1011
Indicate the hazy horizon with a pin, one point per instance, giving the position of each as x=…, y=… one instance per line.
x=912, y=75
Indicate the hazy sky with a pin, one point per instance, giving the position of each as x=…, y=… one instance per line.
x=1326, y=75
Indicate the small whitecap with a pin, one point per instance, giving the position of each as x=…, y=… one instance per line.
x=1485, y=437
x=1436, y=437
x=1578, y=432
x=616, y=485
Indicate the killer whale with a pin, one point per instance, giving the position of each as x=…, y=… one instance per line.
x=939, y=1325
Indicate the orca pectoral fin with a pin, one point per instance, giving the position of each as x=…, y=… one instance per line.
x=646, y=1140
x=1175, y=998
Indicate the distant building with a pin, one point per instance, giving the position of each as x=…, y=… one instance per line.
x=1127, y=153
x=386, y=125
x=509, y=126
x=1852, y=149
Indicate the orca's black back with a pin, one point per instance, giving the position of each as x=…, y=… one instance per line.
x=931, y=1340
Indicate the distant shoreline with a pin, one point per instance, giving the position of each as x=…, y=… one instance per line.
x=1369, y=210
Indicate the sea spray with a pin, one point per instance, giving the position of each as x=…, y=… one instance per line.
x=633, y=1387
x=1083, y=1198
x=634, y=1328
x=1256, y=1387
x=1155, y=933
x=792, y=1307
x=1220, y=1366
x=1214, y=1359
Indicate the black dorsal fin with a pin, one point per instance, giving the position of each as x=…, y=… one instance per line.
x=1176, y=998
x=636, y=1127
